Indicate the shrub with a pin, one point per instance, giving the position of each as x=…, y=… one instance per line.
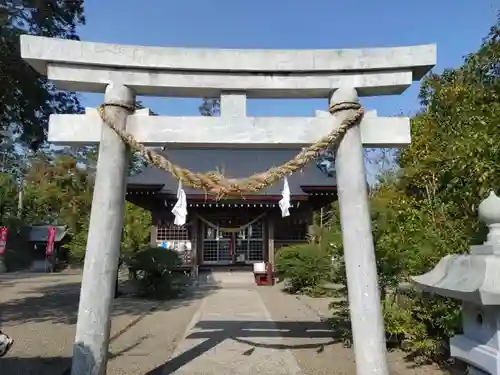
x=423, y=323
x=304, y=267
x=154, y=268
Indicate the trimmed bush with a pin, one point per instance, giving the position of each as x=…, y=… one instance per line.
x=153, y=268
x=303, y=267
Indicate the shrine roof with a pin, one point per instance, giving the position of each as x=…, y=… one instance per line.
x=40, y=233
x=233, y=163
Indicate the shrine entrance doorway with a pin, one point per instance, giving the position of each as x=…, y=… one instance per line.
x=233, y=240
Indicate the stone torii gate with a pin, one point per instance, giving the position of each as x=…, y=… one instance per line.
x=122, y=72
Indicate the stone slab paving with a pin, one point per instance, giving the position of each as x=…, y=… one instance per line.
x=232, y=333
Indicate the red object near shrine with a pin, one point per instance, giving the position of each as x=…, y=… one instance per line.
x=51, y=239
x=3, y=239
x=267, y=278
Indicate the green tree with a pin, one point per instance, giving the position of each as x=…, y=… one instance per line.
x=8, y=199
x=57, y=191
x=426, y=210
x=136, y=228
x=26, y=98
x=137, y=220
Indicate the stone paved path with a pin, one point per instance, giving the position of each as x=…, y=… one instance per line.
x=232, y=332
x=261, y=331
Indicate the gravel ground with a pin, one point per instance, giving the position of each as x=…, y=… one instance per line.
x=39, y=312
x=320, y=357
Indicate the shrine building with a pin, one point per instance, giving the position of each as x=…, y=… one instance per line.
x=235, y=230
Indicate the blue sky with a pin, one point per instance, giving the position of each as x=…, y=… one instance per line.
x=456, y=26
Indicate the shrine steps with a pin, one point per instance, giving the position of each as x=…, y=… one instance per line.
x=226, y=276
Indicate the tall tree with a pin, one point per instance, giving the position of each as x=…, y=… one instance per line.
x=426, y=210
x=57, y=191
x=210, y=107
x=26, y=98
x=454, y=158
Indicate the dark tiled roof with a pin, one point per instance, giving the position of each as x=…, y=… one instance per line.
x=40, y=233
x=233, y=163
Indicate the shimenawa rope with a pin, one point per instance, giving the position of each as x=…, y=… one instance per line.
x=214, y=182
x=231, y=229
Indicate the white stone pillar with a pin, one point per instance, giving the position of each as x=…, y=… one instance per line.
x=103, y=245
x=359, y=252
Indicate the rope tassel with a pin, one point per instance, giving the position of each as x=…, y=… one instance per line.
x=216, y=184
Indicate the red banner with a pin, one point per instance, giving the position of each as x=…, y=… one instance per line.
x=51, y=238
x=3, y=239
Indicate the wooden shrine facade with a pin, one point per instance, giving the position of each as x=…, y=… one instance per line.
x=237, y=230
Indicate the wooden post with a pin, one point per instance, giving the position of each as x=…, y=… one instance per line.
x=153, y=233
x=270, y=238
x=270, y=249
x=194, y=248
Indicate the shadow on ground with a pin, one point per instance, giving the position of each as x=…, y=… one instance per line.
x=55, y=365
x=35, y=365
x=250, y=333
x=58, y=303
x=341, y=328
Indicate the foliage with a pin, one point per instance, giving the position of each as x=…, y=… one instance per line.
x=11, y=160
x=210, y=107
x=57, y=191
x=304, y=267
x=26, y=98
x=136, y=228
x=135, y=235
x=154, y=267
x=427, y=209
x=26, y=101
x=8, y=198
x=57, y=184
x=16, y=253
x=78, y=244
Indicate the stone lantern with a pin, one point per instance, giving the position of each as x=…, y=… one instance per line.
x=474, y=279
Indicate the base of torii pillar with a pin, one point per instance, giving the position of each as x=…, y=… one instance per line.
x=359, y=252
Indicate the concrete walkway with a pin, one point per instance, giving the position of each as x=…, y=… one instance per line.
x=233, y=332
